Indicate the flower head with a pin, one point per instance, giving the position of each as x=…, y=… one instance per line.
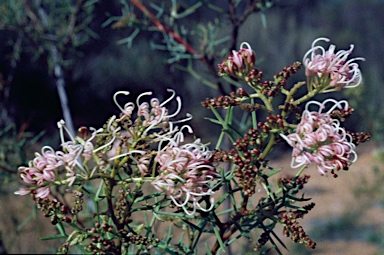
x=319, y=139
x=135, y=130
x=185, y=172
x=335, y=66
x=41, y=170
x=239, y=63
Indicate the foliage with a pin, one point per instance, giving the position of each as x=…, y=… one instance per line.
x=189, y=41
x=42, y=23
x=13, y=152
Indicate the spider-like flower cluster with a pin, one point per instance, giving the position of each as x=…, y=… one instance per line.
x=40, y=171
x=185, y=172
x=328, y=64
x=320, y=139
x=239, y=63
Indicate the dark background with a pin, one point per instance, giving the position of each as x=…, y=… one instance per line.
x=103, y=66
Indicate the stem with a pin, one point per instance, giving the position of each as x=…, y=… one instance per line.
x=321, y=88
x=58, y=74
x=293, y=91
x=196, y=75
x=166, y=30
x=268, y=148
x=109, y=185
x=300, y=171
x=225, y=235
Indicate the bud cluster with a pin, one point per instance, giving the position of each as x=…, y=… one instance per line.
x=287, y=72
x=254, y=77
x=53, y=209
x=78, y=203
x=121, y=207
x=263, y=239
x=342, y=114
x=273, y=88
x=101, y=241
x=291, y=108
x=100, y=245
x=271, y=122
x=359, y=137
x=140, y=240
x=294, y=230
x=233, y=99
x=294, y=184
x=246, y=158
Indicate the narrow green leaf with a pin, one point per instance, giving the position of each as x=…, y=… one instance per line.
x=275, y=245
x=97, y=196
x=234, y=239
x=213, y=120
x=27, y=220
x=217, y=115
x=240, y=228
x=52, y=237
x=225, y=212
x=197, y=238
x=208, y=249
x=177, y=215
x=217, y=233
x=229, y=115
x=253, y=115
x=220, y=140
x=61, y=228
x=128, y=40
x=273, y=172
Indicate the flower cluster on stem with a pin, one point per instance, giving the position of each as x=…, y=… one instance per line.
x=330, y=68
x=185, y=172
x=321, y=140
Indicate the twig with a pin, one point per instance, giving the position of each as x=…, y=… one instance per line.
x=166, y=30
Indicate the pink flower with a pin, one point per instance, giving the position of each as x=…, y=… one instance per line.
x=143, y=165
x=41, y=170
x=239, y=63
x=319, y=139
x=150, y=116
x=41, y=192
x=151, y=123
x=185, y=172
x=328, y=64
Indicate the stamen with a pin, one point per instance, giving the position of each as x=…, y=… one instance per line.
x=125, y=154
x=61, y=125
x=179, y=136
x=110, y=142
x=170, y=98
x=246, y=44
x=115, y=98
x=155, y=123
x=110, y=121
x=189, y=117
x=178, y=108
x=141, y=95
x=337, y=104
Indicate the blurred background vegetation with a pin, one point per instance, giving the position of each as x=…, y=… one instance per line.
x=70, y=56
